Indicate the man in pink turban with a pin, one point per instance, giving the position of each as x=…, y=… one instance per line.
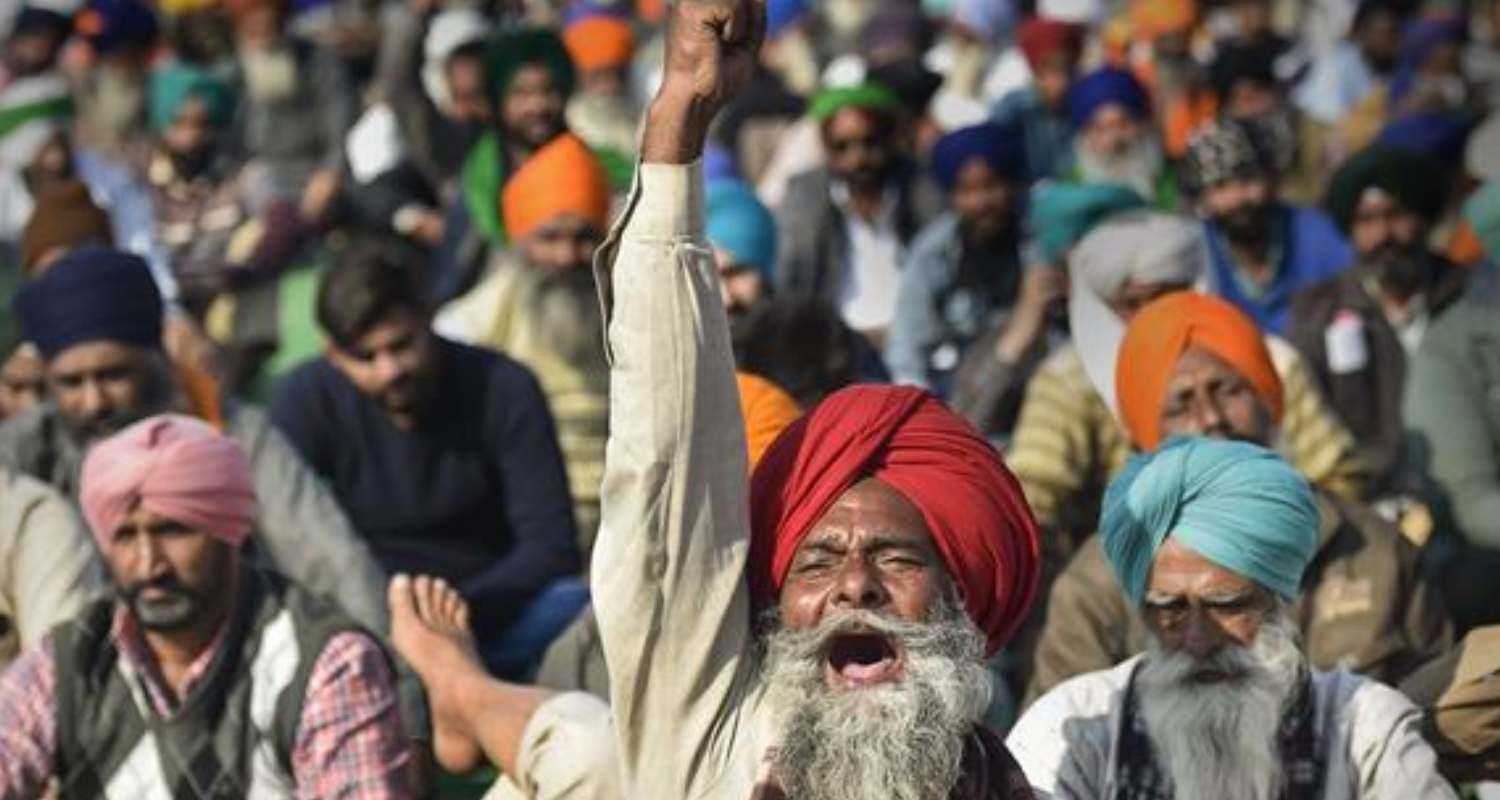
x=250, y=683
x=817, y=633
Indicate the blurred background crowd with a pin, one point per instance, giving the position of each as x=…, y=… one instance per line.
x=376, y=219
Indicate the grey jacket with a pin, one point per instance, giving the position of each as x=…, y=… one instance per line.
x=302, y=531
x=813, y=254
x=946, y=300
x=1452, y=406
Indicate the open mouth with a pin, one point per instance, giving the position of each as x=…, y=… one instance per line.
x=862, y=659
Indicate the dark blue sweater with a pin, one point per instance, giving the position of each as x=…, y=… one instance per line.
x=476, y=493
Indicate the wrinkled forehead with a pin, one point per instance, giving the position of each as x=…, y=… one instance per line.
x=870, y=513
x=1180, y=571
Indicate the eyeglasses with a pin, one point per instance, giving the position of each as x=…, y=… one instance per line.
x=1173, y=613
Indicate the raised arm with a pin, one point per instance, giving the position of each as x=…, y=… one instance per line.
x=668, y=569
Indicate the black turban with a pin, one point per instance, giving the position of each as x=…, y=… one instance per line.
x=1415, y=180
x=93, y=294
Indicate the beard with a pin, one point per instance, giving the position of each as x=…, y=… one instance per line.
x=1400, y=269
x=1137, y=167
x=176, y=606
x=569, y=320
x=902, y=740
x=1246, y=226
x=1219, y=739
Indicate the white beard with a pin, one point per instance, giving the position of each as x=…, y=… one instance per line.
x=1219, y=740
x=899, y=741
x=1136, y=168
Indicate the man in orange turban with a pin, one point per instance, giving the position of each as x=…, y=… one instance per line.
x=1185, y=334
x=556, y=206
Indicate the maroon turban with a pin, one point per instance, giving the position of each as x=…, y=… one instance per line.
x=1039, y=38
x=905, y=437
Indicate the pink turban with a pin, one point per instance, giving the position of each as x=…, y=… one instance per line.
x=906, y=438
x=171, y=465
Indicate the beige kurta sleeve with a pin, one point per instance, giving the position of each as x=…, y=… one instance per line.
x=48, y=564
x=668, y=567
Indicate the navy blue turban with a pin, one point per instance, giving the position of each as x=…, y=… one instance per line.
x=1000, y=146
x=93, y=294
x=1103, y=86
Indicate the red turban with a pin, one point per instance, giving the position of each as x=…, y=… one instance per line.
x=906, y=438
x=1039, y=38
x=175, y=466
x=1158, y=336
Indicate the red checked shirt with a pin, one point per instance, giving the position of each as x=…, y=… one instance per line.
x=349, y=743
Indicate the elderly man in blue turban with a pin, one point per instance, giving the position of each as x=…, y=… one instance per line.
x=1114, y=139
x=1209, y=540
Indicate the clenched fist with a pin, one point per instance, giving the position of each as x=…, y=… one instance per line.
x=711, y=46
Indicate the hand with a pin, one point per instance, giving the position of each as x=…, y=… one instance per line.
x=1041, y=289
x=711, y=51
x=318, y=196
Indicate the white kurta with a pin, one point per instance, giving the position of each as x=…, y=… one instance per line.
x=1369, y=733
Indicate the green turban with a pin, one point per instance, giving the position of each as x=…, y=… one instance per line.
x=869, y=96
x=172, y=86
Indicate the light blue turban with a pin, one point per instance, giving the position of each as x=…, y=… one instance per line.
x=1238, y=505
x=738, y=223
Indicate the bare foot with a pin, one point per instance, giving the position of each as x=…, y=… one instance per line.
x=430, y=629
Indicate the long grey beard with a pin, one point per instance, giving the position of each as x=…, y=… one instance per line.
x=1136, y=168
x=1219, y=740
x=900, y=741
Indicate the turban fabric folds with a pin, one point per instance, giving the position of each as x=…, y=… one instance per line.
x=1059, y=214
x=1148, y=247
x=91, y=294
x=1040, y=39
x=1223, y=151
x=999, y=146
x=737, y=222
x=767, y=410
x=1408, y=176
x=172, y=87
x=600, y=42
x=523, y=48
x=1157, y=337
x=906, y=438
x=1238, y=505
x=562, y=177
x=869, y=96
x=171, y=465
x=1102, y=87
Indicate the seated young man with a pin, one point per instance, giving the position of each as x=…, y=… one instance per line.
x=444, y=455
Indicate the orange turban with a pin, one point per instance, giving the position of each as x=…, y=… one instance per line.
x=599, y=42
x=1156, y=18
x=767, y=410
x=562, y=177
x=1161, y=332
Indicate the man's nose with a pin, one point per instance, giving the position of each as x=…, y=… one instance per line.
x=858, y=586
x=1201, y=636
x=387, y=367
x=93, y=400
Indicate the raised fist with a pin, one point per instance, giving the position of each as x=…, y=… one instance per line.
x=711, y=50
